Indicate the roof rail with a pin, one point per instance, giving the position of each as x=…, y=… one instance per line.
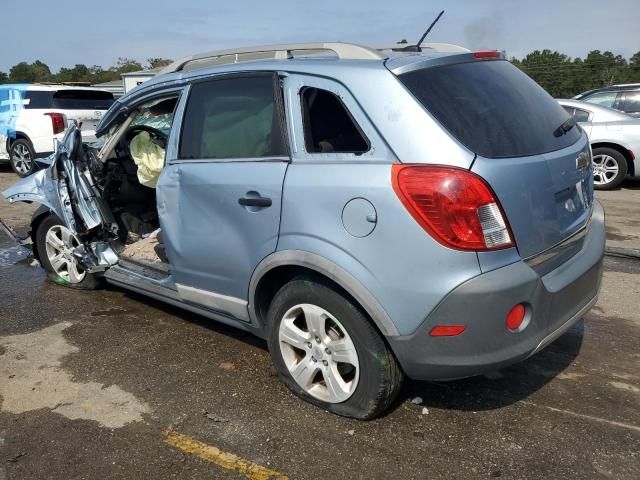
x=344, y=51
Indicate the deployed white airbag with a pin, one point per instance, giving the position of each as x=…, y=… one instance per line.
x=149, y=158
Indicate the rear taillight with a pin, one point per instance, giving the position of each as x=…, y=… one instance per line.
x=57, y=122
x=456, y=207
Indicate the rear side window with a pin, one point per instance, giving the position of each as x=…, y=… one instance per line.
x=328, y=125
x=492, y=108
x=631, y=102
x=82, y=100
x=232, y=118
x=38, y=99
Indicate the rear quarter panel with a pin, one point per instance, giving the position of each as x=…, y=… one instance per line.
x=407, y=271
x=37, y=127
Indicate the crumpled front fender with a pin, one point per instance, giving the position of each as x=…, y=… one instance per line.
x=39, y=187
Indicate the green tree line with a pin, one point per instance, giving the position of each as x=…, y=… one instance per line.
x=39, y=72
x=562, y=76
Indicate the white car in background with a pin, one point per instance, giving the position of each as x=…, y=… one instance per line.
x=33, y=116
x=614, y=138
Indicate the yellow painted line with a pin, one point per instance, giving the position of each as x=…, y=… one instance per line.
x=226, y=460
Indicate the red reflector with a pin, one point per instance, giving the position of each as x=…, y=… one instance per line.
x=456, y=207
x=487, y=54
x=57, y=122
x=447, y=330
x=515, y=317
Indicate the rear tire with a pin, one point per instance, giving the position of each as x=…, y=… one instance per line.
x=21, y=157
x=609, y=168
x=54, y=243
x=340, y=361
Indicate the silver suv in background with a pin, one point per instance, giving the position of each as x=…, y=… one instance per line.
x=371, y=214
x=32, y=117
x=624, y=97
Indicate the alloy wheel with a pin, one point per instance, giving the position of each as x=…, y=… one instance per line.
x=319, y=353
x=605, y=169
x=60, y=244
x=21, y=157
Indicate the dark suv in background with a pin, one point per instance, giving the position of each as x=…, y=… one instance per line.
x=625, y=98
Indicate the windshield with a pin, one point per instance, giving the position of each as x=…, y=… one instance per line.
x=492, y=108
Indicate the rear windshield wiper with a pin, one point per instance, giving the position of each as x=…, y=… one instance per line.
x=564, y=128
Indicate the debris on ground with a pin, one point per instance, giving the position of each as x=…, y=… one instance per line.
x=215, y=418
x=228, y=366
x=425, y=411
x=15, y=458
x=416, y=400
x=351, y=432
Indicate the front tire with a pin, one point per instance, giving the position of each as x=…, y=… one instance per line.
x=609, y=168
x=328, y=353
x=21, y=155
x=54, y=243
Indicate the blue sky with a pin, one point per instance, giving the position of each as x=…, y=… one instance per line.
x=100, y=32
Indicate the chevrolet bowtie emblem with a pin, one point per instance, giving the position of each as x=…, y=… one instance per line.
x=582, y=162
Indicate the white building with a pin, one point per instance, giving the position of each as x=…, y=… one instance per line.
x=133, y=79
x=116, y=87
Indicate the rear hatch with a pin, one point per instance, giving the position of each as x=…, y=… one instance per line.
x=84, y=107
x=529, y=150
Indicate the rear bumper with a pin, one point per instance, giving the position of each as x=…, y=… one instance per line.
x=557, y=299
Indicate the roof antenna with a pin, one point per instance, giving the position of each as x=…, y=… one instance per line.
x=416, y=47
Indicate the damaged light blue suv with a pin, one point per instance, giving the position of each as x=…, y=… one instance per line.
x=370, y=213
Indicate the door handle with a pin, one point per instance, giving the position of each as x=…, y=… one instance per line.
x=255, y=201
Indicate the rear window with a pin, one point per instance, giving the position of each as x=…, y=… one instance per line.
x=492, y=108
x=82, y=100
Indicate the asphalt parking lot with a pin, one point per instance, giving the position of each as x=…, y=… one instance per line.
x=108, y=384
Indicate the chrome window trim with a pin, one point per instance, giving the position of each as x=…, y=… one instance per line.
x=558, y=248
